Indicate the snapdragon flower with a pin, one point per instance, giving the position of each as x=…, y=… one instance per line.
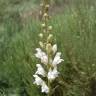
x=41, y=55
x=52, y=74
x=44, y=88
x=49, y=73
x=57, y=59
x=40, y=70
x=38, y=80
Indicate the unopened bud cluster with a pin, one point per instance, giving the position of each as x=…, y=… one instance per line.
x=47, y=54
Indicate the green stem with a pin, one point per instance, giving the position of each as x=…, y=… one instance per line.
x=46, y=2
x=49, y=85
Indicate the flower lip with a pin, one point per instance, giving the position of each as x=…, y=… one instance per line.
x=54, y=48
x=45, y=88
x=57, y=60
x=38, y=80
x=40, y=70
x=52, y=74
x=38, y=49
x=41, y=55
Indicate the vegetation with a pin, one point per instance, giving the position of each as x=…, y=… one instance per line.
x=75, y=32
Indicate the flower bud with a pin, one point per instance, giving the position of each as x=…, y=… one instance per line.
x=41, y=44
x=41, y=35
x=49, y=37
x=47, y=6
x=43, y=25
x=50, y=28
x=45, y=15
x=41, y=4
x=40, y=12
x=54, y=48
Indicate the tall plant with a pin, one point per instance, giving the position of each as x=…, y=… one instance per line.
x=48, y=54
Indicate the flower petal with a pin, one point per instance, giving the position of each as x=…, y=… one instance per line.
x=41, y=55
x=54, y=48
x=38, y=80
x=44, y=88
x=52, y=74
x=40, y=70
x=57, y=59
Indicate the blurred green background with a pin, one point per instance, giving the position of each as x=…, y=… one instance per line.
x=74, y=24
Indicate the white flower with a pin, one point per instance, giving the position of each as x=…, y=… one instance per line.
x=41, y=55
x=44, y=58
x=52, y=74
x=57, y=59
x=54, y=48
x=40, y=70
x=44, y=88
x=38, y=54
x=38, y=80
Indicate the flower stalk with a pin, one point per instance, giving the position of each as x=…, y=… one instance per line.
x=47, y=53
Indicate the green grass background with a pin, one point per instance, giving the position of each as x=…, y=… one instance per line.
x=75, y=33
